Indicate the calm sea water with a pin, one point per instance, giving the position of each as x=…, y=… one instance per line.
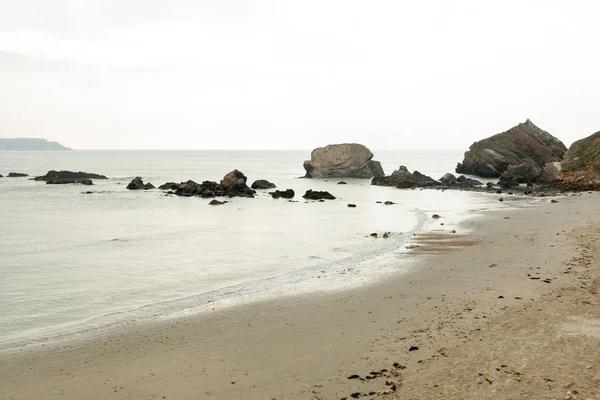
x=72, y=262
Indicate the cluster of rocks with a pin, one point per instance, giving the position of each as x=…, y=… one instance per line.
x=232, y=185
x=402, y=178
x=67, y=177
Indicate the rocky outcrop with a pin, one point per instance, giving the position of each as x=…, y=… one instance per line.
x=581, y=165
x=342, y=160
x=316, y=195
x=138, y=184
x=66, y=177
x=263, y=184
x=16, y=175
x=583, y=155
x=232, y=185
x=285, y=194
x=1, y=176
x=525, y=147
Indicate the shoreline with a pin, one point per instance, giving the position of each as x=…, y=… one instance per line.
x=292, y=347
x=305, y=282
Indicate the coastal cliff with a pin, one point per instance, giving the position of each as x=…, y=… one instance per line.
x=30, y=144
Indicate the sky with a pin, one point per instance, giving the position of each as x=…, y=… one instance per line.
x=280, y=74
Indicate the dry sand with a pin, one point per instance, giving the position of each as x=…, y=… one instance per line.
x=512, y=312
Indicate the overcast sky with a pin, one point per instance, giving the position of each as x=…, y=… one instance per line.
x=179, y=74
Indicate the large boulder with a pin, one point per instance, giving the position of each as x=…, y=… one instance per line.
x=527, y=171
x=16, y=175
x=524, y=143
x=550, y=173
x=66, y=177
x=138, y=184
x=263, y=184
x=349, y=160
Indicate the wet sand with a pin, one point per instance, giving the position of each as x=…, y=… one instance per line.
x=510, y=310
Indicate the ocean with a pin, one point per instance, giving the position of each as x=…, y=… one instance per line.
x=72, y=262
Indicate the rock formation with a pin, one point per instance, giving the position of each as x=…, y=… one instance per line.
x=66, y=177
x=138, y=184
x=525, y=148
x=16, y=175
x=342, y=160
x=263, y=184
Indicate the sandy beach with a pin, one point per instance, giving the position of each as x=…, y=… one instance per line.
x=508, y=311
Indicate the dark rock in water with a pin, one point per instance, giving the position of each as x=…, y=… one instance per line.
x=342, y=160
x=87, y=182
x=233, y=180
x=138, y=184
x=553, y=201
x=523, y=143
x=216, y=203
x=16, y=175
x=352, y=205
x=403, y=179
x=342, y=183
x=66, y=177
x=507, y=183
x=448, y=179
x=169, y=186
x=317, y=195
x=374, y=234
x=389, y=203
x=263, y=184
x=489, y=185
x=285, y=194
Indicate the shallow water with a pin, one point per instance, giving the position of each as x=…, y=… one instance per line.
x=71, y=261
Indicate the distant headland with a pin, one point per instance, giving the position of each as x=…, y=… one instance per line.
x=30, y=144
